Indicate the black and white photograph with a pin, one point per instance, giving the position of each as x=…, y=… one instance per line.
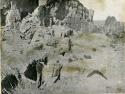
x=62, y=46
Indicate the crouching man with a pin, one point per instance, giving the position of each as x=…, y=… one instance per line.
x=57, y=71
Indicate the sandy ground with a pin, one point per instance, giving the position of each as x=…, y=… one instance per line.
x=106, y=56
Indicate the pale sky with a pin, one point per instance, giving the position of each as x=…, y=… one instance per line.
x=104, y=8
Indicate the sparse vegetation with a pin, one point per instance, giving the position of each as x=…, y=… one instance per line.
x=86, y=58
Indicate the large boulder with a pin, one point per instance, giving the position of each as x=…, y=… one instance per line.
x=113, y=27
x=31, y=72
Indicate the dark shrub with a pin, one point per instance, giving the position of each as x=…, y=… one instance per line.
x=9, y=82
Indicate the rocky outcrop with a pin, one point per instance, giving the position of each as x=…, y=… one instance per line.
x=113, y=27
x=12, y=24
x=13, y=17
x=24, y=7
x=31, y=72
x=29, y=26
x=42, y=2
x=69, y=12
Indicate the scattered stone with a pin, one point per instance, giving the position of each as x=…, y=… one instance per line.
x=70, y=60
x=57, y=17
x=62, y=53
x=38, y=47
x=112, y=45
x=52, y=42
x=94, y=49
x=87, y=56
x=103, y=46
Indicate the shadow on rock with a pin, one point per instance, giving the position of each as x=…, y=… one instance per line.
x=31, y=72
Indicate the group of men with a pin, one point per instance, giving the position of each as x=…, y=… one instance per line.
x=41, y=64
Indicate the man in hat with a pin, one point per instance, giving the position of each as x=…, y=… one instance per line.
x=39, y=68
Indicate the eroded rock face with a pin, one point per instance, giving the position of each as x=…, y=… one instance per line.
x=29, y=26
x=12, y=23
x=13, y=17
x=42, y=2
x=69, y=12
x=113, y=27
x=24, y=7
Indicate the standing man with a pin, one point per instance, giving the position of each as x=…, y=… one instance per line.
x=39, y=68
x=50, y=22
x=69, y=44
